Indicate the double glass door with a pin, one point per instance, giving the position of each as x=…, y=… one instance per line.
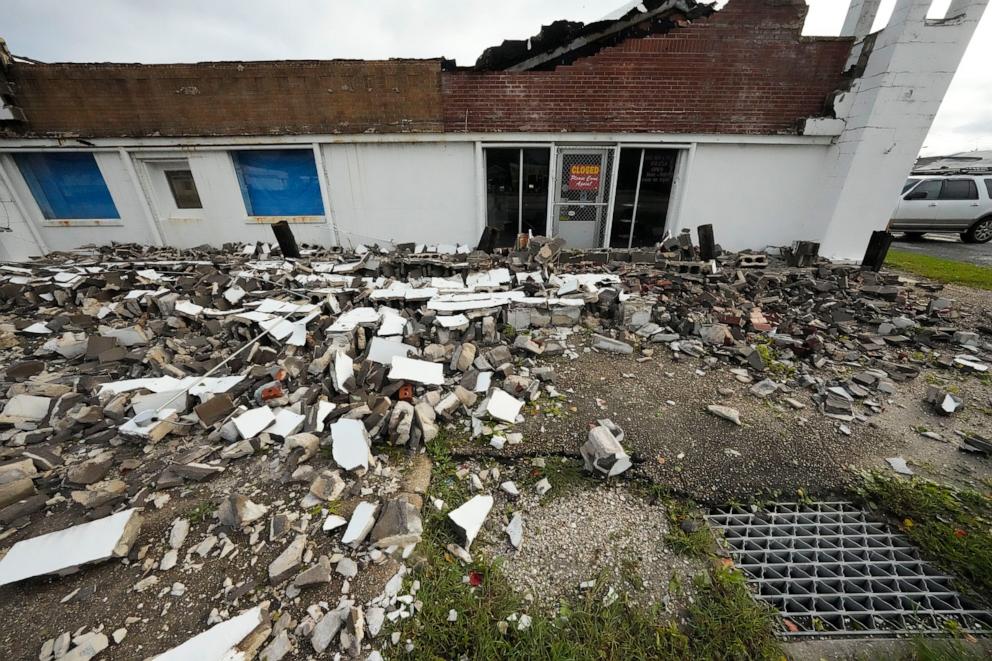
x=517, y=191
x=644, y=189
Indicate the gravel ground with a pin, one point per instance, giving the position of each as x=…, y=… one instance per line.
x=32, y=611
x=682, y=446
x=590, y=531
x=661, y=404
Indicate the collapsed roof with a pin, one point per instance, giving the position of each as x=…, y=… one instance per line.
x=563, y=41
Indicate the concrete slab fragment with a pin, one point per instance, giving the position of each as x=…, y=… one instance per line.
x=360, y=525
x=350, y=444
x=227, y=641
x=421, y=371
x=253, y=422
x=470, y=517
x=26, y=407
x=383, y=351
x=504, y=406
x=66, y=549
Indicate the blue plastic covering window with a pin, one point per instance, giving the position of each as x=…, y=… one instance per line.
x=67, y=185
x=279, y=182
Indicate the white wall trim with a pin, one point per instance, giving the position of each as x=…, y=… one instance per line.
x=611, y=203
x=495, y=139
x=480, y=188
x=325, y=192
x=683, y=172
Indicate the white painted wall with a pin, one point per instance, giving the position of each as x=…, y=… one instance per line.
x=423, y=192
x=223, y=218
x=375, y=192
x=18, y=244
x=754, y=195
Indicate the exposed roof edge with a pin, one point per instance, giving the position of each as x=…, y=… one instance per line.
x=565, y=41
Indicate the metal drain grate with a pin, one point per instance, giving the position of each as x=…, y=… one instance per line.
x=831, y=571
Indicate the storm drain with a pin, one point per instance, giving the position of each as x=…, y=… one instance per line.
x=831, y=571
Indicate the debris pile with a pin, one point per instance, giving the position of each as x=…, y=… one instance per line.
x=133, y=376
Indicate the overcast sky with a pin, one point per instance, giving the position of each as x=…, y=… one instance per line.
x=199, y=30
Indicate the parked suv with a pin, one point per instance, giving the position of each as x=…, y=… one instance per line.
x=946, y=202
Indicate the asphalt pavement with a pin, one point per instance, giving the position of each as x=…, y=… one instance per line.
x=947, y=246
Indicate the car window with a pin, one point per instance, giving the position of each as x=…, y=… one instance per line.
x=912, y=182
x=928, y=190
x=959, y=189
x=988, y=186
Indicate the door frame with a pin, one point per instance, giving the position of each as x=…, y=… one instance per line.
x=520, y=146
x=610, y=151
x=674, y=195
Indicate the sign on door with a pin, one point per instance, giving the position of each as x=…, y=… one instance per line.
x=583, y=177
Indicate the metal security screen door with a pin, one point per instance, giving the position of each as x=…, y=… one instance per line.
x=583, y=196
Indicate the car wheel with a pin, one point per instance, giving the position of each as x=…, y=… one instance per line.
x=913, y=236
x=980, y=232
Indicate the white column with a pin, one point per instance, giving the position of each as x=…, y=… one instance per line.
x=888, y=113
x=860, y=17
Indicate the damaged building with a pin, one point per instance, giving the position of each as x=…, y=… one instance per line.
x=613, y=134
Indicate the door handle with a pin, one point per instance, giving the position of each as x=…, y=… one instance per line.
x=932, y=204
x=974, y=204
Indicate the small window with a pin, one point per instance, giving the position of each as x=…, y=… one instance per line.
x=183, y=189
x=67, y=186
x=279, y=182
x=988, y=186
x=959, y=189
x=928, y=190
x=909, y=184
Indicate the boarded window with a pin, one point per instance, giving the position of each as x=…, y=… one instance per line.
x=279, y=182
x=183, y=189
x=67, y=186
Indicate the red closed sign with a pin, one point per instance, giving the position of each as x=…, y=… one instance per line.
x=583, y=177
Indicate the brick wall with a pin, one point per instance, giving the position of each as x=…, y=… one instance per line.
x=745, y=69
x=228, y=98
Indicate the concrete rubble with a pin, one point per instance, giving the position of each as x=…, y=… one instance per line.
x=603, y=452
x=295, y=401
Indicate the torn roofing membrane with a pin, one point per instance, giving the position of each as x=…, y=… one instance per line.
x=563, y=42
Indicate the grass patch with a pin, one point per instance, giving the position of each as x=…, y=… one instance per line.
x=941, y=270
x=564, y=474
x=723, y=622
x=952, y=527
x=201, y=512
x=945, y=650
x=697, y=542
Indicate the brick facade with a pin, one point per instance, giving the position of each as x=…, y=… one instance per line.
x=743, y=70
x=228, y=98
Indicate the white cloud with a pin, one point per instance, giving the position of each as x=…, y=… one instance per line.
x=198, y=30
